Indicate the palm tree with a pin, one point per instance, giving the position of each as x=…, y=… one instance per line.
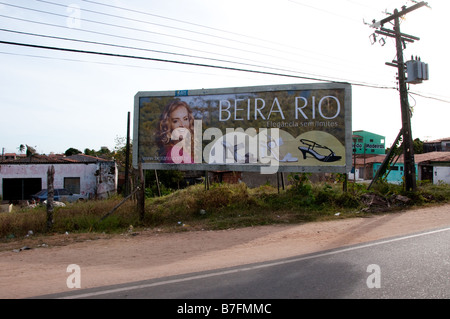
x=21, y=148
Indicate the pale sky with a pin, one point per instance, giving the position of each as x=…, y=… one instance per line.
x=54, y=100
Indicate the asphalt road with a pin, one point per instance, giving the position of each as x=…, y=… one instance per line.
x=413, y=266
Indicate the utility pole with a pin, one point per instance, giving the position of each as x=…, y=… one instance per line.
x=401, y=39
x=408, y=147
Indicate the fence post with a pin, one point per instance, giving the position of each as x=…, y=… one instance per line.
x=141, y=193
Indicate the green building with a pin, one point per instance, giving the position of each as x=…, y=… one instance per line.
x=368, y=143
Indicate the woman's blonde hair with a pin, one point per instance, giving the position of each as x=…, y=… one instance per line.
x=164, y=132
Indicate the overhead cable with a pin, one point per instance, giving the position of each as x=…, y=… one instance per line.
x=179, y=62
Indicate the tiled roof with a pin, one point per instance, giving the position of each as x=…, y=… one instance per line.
x=87, y=158
x=438, y=140
x=418, y=158
x=433, y=157
x=56, y=159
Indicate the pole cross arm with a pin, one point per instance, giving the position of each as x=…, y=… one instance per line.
x=399, y=14
x=392, y=34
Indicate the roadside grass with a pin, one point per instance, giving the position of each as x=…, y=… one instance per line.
x=222, y=206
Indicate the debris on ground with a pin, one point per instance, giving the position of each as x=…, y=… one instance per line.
x=376, y=203
x=20, y=249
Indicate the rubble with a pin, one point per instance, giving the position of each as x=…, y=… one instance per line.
x=376, y=203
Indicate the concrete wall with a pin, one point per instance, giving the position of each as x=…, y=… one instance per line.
x=95, y=178
x=441, y=174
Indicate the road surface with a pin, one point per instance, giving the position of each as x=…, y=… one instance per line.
x=411, y=266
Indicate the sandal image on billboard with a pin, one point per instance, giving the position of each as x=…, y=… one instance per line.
x=274, y=146
x=232, y=150
x=311, y=149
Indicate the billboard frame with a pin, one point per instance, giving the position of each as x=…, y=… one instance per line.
x=243, y=90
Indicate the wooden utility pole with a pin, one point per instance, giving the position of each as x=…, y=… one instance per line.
x=408, y=149
x=50, y=196
x=127, y=159
x=401, y=39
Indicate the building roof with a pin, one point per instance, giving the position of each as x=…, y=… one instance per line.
x=87, y=158
x=432, y=157
x=438, y=140
x=362, y=132
x=56, y=159
x=418, y=158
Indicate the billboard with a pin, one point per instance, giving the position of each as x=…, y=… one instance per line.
x=281, y=128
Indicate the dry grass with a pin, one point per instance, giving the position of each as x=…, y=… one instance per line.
x=222, y=206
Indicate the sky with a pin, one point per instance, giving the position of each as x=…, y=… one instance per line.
x=53, y=100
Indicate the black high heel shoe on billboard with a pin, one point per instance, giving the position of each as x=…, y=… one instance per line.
x=311, y=145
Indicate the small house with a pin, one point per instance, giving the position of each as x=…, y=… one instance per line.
x=90, y=176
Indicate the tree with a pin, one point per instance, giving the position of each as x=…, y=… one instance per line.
x=30, y=151
x=418, y=146
x=72, y=151
x=88, y=151
x=119, y=154
x=104, y=152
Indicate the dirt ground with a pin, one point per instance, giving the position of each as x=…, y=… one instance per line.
x=134, y=256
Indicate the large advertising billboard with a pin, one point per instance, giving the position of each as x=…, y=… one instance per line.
x=281, y=128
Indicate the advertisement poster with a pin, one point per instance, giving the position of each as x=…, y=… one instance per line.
x=295, y=128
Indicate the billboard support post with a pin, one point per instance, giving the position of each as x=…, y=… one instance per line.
x=157, y=183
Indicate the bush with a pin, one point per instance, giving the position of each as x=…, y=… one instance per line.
x=348, y=200
x=326, y=195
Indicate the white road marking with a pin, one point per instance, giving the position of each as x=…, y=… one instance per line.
x=242, y=269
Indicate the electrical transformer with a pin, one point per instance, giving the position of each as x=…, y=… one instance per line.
x=417, y=71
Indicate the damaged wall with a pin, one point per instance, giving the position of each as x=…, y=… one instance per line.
x=106, y=179
x=96, y=180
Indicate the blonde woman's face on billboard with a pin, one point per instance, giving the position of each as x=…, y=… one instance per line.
x=179, y=118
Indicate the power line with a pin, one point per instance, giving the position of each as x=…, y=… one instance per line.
x=429, y=97
x=213, y=59
x=165, y=26
x=206, y=27
x=267, y=65
x=183, y=63
x=154, y=42
x=172, y=19
x=153, y=59
x=107, y=63
x=140, y=40
x=156, y=33
x=315, y=53
x=121, y=37
x=155, y=51
x=221, y=30
x=134, y=48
